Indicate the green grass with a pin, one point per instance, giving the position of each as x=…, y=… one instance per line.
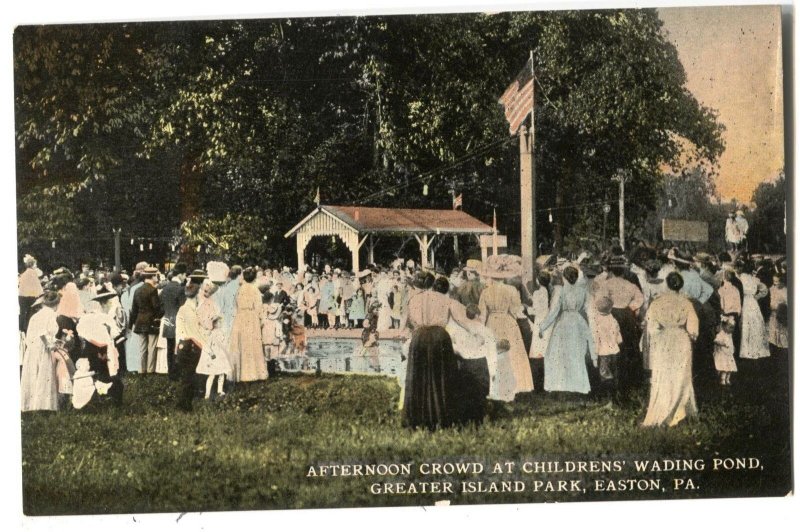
x=253, y=449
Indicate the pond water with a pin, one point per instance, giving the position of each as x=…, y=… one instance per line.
x=347, y=355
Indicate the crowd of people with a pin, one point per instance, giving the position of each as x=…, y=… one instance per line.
x=605, y=324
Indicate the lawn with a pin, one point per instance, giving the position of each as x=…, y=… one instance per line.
x=253, y=449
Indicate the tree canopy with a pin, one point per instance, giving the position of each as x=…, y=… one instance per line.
x=150, y=125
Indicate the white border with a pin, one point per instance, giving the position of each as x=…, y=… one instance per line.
x=723, y=515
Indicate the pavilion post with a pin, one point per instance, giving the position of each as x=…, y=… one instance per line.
x=301, y=249
x=371, y=257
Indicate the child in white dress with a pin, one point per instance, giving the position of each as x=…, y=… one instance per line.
x=723, y=350
x=214, y=360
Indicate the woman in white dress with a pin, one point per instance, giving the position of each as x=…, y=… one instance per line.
x=39, y=384
x=672, y=325
x=754, y=343
x=499, y=305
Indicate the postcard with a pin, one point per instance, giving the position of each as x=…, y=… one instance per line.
x=402, y=259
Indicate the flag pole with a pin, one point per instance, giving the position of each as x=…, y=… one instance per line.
x=527, y=186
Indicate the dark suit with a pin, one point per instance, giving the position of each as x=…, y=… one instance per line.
x=146, y=313
x=172, y=298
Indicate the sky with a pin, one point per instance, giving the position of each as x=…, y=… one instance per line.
x=732, y=57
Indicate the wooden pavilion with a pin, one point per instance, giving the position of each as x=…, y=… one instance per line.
x=356, y=226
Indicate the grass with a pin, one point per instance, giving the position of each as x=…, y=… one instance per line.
x=253, y=449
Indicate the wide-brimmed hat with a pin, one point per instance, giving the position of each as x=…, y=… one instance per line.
x=364, y=273
x=150, y=271
x=198, y=275
x=49, y=297
x=473, y=265
x=217, y=271
x=502, y=266
x=103, y=295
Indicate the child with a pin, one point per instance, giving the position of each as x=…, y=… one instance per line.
x=311, y=302
x=608, y=339
x=298, y=336
x=369, y=341
x=271, y=329
x=723, y=350
x=357, y=311
x=214, y=360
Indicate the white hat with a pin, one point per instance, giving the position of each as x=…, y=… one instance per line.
x=217, y=271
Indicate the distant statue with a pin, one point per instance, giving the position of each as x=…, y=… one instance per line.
x=733, y=235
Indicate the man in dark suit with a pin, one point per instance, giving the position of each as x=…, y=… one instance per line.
x=172, y=298
x=146, y=314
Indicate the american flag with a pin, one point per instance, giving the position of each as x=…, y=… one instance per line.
x=518, y=97
x=458, y=201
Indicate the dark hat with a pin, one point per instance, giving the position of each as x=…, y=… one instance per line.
x=49, y=298
x=103, y=295
x=198, y=275
x=179, y=268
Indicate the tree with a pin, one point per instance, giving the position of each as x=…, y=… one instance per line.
x=250, y=117
x=768, y=224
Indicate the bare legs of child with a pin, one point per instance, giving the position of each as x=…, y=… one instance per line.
x=210, y=384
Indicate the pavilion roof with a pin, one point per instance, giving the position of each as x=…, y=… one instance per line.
x=389, y=220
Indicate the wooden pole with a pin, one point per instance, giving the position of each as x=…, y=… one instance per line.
x=527, y=198
x=117, y=261
x=622, y=213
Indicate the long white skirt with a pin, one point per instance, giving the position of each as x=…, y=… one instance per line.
x=755, y=342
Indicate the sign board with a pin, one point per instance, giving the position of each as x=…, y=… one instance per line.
x=486, y=241
x=684, y=230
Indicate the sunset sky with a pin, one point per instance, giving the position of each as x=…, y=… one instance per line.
x=732, y=57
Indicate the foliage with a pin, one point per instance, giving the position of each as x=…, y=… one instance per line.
x=231, y=238
x=768, y=224
x=252, y=116
x=689, y=195
x=252, y=450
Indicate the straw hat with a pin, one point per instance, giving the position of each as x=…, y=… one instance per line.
x=502, y=267
x=473, y=265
